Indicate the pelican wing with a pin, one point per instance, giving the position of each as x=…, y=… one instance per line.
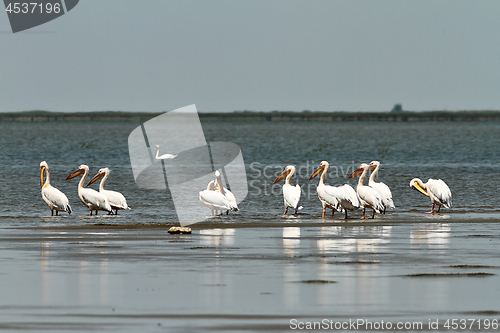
x=385, y=193
x=116, y=199
x=214, y=200
x=370, y=197
x=348, y=197
x=94, y=199
x=325, y=194
x=344, y=194
x=231, y=198
x=440, y=190
x=291, y=195
x=56, y=199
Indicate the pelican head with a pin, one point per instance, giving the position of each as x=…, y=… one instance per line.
x=374, y=164
x=157, y=147
x=418, y=185
x=101, y=173
x=81, y=170
x=43, y=166
x=362, y=167
x=290, y=169
x=322, y=166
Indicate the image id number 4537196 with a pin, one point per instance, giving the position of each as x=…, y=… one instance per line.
x=33, y=7
x=465, y=324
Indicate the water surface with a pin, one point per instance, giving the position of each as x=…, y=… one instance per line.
x=256, y=269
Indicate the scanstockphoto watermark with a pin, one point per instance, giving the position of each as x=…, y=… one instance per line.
x=455, y=324
x=356, y=324
x=262, y=176
x=187, y=162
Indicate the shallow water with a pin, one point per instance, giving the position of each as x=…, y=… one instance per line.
x=256, y=269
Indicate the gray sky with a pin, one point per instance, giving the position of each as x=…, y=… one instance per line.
x=159, y=55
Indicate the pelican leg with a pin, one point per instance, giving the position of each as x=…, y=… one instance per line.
x=90, y=213
x=333, y=211
x=286, y=210
x=364, y=209
x=373, y=216
x=51, y=212
x=432, y=210
x=227, y=212
x=57, y=212
x=324, y=211
x=385, y=209
x=116, y=211
x=96, y=212
x=439, y=208
x=345, y=213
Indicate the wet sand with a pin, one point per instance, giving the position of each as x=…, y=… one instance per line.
x=105, y=275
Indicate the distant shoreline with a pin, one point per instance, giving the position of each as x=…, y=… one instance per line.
x=334, y=116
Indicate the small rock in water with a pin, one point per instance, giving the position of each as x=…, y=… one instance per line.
x=179, y=230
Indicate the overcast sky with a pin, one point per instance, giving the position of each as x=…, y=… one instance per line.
x=158, y=55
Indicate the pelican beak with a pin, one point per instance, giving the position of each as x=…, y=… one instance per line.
x=219, y=186
x=316, y=172
x=372, y=167
x=417, y=187
x=99, y=175
x=282, y=175
x=356, y=173
x=75, y=173
x=42, y=170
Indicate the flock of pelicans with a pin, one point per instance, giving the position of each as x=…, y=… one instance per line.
x=103, y=200
x=376, y=196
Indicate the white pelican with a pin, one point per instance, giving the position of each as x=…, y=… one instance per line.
x=381, y=188
x=164, y=156
x=291, y=194
x=368, y=196
x=331, y=196
x=436, y=190
x=228, y=194
x=56, y=200
x=116, y=199
x=205, y=197
x=217, y=197
x=90, y=198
